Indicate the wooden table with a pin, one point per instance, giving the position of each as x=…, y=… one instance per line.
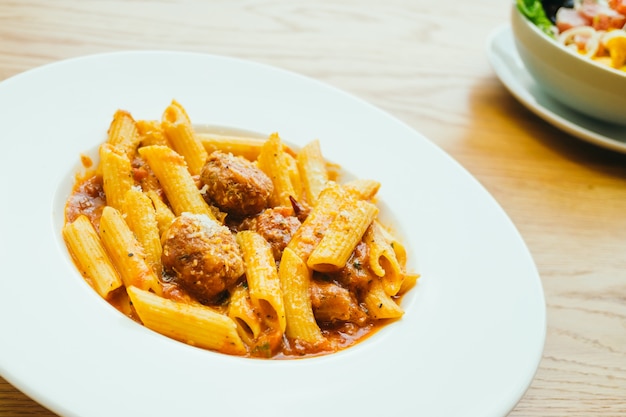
x=424, y=62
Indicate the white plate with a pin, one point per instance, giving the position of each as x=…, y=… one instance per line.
x=469, y=343
x=509, y=68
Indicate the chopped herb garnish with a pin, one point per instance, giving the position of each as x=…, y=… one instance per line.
x=263, y=349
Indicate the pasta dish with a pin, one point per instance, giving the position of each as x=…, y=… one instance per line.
x=233, y=244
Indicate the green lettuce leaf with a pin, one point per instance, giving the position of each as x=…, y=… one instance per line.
x=533, y=10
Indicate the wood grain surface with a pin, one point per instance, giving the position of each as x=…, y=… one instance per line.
x=425, y=63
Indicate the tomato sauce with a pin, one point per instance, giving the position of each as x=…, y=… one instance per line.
x=87, y=198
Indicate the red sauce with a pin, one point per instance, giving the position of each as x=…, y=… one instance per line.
x=86, y=161
x=87, y=198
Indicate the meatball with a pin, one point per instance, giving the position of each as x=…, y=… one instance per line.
x=235, y=185
x=332, y=304
x=202, y=256
x=277, y=225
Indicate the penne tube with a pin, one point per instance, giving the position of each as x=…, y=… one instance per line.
x=241, y=311
x=141, y=218
x=262, y=277
x=175, y=113
x=247, y=147
x=274, y=163
x=342, y=236
x=164, y=215
x=409, y=281
x=126, y=252
x=151, y=133
x=312, y=168
x=395, y=244
x=294, y=175
x=362, y=189
x=295, y=280
x=181, y=135
x=180, y=188
x=89, y=255
x=386, y=257
x=194, y=324
x=184, y=141
x=117, y=175
x=381, y=305
x=123, y=133
x=309, y=234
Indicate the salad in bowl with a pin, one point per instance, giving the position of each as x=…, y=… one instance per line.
x=576, y=52
x=593, y=28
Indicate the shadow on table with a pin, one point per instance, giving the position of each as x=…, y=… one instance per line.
x=491, y=97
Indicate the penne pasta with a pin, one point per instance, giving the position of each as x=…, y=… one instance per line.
x=295, y=279
x=294, y=176
x=123, y=133
x=241, y=311
x=308, y=235
x=117, y=175
x=262, y=278
x=164, y=215
x=176, y=113
x=249, y=148
x=312, y=168
x=126, y=252
x=274, y=163
x=92, y=260
x=381, y=305
x=383, y=260
x=362, y=189
x=194, y=324
x=171, y=170
x=184, y=141
x=181, y=136
x=342, y=236
x=141, y=218
x=151, y=133
x=409, y=281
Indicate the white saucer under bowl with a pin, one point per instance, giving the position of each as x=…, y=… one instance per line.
x=504, y=59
